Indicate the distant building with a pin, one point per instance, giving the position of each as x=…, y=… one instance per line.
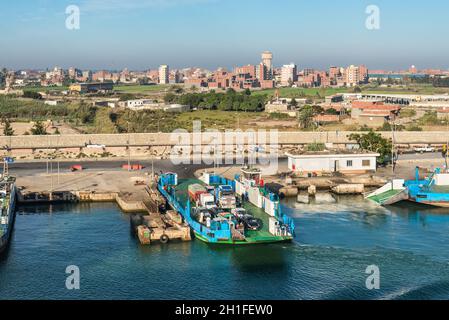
x=91, y=87
x=87, y=75
x=138, y=104
x=443, y=113
x=345, y=162
x=354, y=76
x=288, y=74
x=164, y=74
x=267, y=62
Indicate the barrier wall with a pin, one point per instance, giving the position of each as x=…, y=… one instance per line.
x=188, y=139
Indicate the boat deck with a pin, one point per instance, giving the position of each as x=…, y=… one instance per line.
x=439, y=189
x=252, y=236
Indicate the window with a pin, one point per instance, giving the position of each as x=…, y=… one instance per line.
x=366, y=163
x=349, y=163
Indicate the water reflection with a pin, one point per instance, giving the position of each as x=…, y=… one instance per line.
x=259, y=257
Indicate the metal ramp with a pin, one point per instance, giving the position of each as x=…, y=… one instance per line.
x=391, y=193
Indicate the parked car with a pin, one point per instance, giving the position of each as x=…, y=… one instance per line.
x=424, y=149
x=251, y=223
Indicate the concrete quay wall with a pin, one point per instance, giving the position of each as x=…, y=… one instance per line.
x=183, y=139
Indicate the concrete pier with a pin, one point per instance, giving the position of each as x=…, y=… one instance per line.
x=131, y=191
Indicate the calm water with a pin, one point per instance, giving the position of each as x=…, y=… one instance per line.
x=335, y=244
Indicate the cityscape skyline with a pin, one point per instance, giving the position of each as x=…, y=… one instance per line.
x=141, y=35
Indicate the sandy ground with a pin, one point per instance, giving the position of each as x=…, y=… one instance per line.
x=100, y=181
x=21, y=127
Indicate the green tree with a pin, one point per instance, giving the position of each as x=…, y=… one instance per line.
x=305, y=117
x=294, y=103
x=373, y=142
x=357, y=89
x=32, y=95
x=38, y=129
x=7, y=128
x=127, y=96
x=331, y=111
x=3, y=74
x=169, y=97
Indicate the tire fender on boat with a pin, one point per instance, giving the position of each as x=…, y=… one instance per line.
x=164, y=239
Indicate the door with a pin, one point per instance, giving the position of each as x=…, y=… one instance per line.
x=336, y=166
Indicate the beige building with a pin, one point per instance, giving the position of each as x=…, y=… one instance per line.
x=164, y=74
x=288, y=74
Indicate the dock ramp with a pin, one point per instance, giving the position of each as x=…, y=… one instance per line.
x=393, y=192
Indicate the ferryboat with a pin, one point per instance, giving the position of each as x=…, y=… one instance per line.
x=8, y=195
x=229, y=212
x=430, y=190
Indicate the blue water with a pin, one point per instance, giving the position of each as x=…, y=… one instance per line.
x=335, y=244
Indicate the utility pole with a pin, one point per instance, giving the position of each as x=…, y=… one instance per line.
x=129, y=149
x=446, y=156
x=393, y=142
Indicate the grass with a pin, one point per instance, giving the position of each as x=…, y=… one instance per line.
x=302, y=92
x=215, y=119
x=142, y=89
x=44, y=89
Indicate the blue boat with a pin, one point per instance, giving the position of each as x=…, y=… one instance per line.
x=257, y=218
x=430, y=190
x=7, y=210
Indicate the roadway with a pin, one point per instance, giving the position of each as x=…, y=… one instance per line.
x=184, y=171
x=31, y=168
x=421, y=156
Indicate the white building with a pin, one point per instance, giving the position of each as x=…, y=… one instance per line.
x=345, y=162
x=288, y=74
x=139, y=104
x=164, y=74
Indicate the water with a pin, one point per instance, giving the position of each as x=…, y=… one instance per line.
x=335, y=244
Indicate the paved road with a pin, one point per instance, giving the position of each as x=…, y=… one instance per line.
x=27, y=168
x=421, y=156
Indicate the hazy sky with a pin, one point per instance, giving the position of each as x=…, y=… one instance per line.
x=142, y=34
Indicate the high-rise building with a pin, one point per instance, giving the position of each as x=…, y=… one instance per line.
x=356, y=75
x=267, y=61
x=164, y=74
x=352, y=75
x=288, y=74
x=413, y=70
x=87, y=75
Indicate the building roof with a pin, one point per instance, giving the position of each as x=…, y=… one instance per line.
x=332, y=153
x=375, y=113
x=327, y=118
x=443, y=110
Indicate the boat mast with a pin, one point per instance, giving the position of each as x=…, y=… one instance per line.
x=5, y=168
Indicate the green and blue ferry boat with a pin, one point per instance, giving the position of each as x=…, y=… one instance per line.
x=256, y=217
x=431, y=189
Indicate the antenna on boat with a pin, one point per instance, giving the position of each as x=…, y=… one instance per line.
x=393, y=142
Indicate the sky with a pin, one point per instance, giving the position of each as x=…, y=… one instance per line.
x=142, y=34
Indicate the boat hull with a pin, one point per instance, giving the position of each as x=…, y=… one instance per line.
x=177, y=198
x=5, y=239
x=243, y=242
x=439, y=204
